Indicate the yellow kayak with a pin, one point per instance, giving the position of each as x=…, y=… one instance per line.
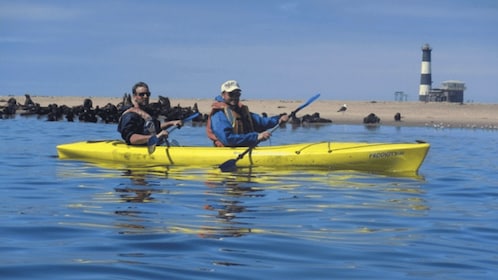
x=370, y=157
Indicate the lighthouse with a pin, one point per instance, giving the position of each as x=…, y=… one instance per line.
x=425, y=74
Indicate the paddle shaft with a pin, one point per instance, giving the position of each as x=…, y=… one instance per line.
x=230, y=164
x=292, y=114
x=153, y=140
x=189, y=118
x=240, y=156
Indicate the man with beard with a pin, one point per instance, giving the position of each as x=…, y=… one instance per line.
x=231, y=124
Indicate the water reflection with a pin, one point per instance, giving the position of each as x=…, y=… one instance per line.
x=210, y=204
x=226, y=199
x=372, y=127
x=139, y=193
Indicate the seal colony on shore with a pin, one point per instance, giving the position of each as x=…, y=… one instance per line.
x=411, y=113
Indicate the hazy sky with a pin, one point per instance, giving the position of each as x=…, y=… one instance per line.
x=276, y=49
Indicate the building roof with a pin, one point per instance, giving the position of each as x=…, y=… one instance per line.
x=453, y=82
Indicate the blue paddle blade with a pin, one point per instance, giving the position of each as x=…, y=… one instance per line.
x=191, y=117
x=151, y=143
x=152, y=140
x=228, y=166
x=307, y=102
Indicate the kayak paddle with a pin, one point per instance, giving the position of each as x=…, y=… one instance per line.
x=153, y=141
x=230, y=165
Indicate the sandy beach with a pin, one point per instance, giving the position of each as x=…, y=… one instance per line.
x=413, y=113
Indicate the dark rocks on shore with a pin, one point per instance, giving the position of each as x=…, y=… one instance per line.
x=11, y=107
x=314, y=118
x=371, y=119
x=306, y=119
x=110, y=113
x=397, y=117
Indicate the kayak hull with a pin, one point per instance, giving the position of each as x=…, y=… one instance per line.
x=371, y=157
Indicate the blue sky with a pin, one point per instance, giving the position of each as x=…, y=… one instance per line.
x=344, y=49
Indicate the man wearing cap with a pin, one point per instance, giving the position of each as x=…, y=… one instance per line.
x=231, y=124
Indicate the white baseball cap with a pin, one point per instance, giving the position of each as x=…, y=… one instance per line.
x=230, y=86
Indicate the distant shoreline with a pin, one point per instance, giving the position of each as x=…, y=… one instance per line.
x=413, y=113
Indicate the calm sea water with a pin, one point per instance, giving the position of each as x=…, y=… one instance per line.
x=72, y=220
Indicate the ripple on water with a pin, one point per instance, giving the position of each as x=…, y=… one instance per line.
x=64, y=219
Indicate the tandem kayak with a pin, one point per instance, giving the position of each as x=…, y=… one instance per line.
x=358, y=156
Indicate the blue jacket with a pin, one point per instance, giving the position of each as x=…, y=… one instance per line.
x=222, y=127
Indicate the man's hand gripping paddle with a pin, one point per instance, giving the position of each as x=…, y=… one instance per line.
x=230, y=165
x=153, y=141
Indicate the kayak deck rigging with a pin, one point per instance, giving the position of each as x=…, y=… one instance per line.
x=360, y=156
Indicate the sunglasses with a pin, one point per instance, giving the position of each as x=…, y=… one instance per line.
x=234, y=93
x=142, y=94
